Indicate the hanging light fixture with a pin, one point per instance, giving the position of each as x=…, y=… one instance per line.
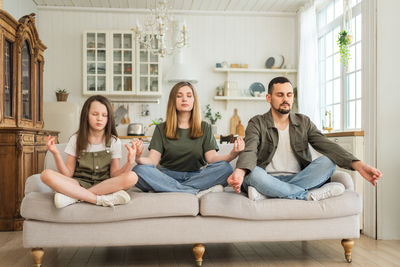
x=153, y=35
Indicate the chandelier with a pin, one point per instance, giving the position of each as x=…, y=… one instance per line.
x=153, y=35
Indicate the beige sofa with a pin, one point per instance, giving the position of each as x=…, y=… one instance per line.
x=180, y=218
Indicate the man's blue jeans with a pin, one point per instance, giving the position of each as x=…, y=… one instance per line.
x=294, y=186
x=164, y=180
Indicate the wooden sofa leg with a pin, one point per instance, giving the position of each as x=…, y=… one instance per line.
x=198, y=251
x=348, y=246
x=37, y=255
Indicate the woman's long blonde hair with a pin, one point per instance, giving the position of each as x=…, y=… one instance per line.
x=171, y=125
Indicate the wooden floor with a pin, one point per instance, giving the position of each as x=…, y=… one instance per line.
x=366, y=252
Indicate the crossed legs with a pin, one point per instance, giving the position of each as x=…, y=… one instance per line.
x=71, y=187
x=164, y=180
x=291, y=186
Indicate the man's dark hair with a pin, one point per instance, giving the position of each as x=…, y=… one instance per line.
x=275, y=81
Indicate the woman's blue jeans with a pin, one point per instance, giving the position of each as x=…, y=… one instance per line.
x=164, y=180
x=294, y=186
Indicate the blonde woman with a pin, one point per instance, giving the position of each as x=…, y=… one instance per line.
x=185, y=149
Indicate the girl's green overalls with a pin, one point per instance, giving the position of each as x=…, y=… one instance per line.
x=93, y=167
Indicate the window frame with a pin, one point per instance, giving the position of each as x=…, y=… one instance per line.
x=344, y=76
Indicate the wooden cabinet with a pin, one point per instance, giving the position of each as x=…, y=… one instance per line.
x=22, y=153
x=21, y=61
x=22, y=140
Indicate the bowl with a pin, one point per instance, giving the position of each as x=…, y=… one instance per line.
x=256, y=89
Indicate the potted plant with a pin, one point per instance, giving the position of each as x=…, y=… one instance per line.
x=343, y=41
x=212, y=117
x=62, y=95
x=150, y=129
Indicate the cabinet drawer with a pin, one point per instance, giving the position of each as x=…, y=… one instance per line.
x=40, y=139
x=345, y=142
x=27, y=139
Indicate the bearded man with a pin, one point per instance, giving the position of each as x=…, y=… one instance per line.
x=277, y=163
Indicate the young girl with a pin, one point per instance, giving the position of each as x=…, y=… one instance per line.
x=183, y=145
x=92, y=170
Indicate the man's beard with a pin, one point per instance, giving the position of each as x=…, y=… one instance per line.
x=283, y=111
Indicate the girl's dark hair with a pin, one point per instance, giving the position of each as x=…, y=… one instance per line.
x=275, y=81
x=82, y=139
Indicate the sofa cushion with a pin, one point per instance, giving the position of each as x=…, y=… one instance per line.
x=233, y=205
x=34, y=184
x=40, y=206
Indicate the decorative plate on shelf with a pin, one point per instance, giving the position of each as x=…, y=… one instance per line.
x=275, y=62
x=256, y=89
x=270, y=62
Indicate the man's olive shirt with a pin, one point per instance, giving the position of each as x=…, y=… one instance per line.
x=262, y=141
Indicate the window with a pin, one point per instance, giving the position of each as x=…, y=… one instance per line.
x=340, y=90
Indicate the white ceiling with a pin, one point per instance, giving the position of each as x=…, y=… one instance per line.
x=181, y=5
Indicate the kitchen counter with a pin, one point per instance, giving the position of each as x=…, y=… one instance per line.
x=126, y=139
x=131, y=137
x=350, y=133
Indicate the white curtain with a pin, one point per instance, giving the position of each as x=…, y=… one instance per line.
x=307, y=80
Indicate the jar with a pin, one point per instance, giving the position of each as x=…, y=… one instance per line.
x=220, y=91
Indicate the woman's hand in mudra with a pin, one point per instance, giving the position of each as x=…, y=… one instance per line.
x=139, y=148
x=238, y=146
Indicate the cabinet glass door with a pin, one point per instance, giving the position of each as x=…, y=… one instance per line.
x=123, y=62
x=149, y=70
x=8, y=85
x=38, y=91
x=96, y=67
x=26, y=83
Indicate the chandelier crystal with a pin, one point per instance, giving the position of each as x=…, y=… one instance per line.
x=153, y=35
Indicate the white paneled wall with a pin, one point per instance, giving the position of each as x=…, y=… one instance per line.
x=388, y=95
x=214, y=38
x=19, y=8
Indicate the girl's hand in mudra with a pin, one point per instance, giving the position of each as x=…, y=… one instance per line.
x=51, y=144
x=131, y=152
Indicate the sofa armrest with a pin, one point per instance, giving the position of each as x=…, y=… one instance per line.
x=343, y=178
x=35, y=184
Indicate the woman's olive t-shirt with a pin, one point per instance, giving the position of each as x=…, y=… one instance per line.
x=184, y=154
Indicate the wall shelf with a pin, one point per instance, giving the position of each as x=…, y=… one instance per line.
x=229, y=72
x=239, y=98
x=228, y=99
x=255, y=70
